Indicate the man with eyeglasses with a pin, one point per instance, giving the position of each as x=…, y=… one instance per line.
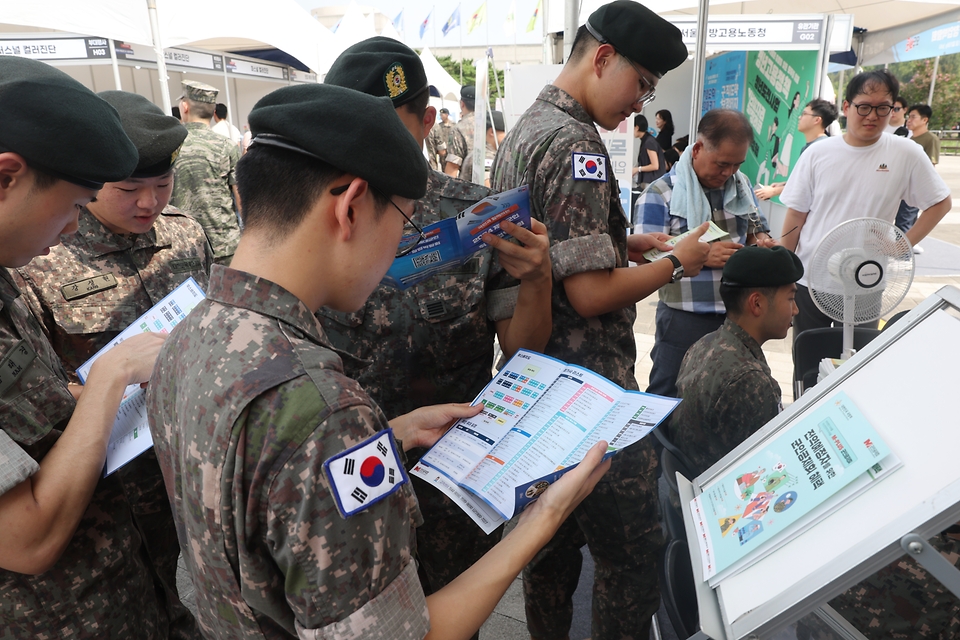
x=861, y=173
x=617, y=59
x=898, y=118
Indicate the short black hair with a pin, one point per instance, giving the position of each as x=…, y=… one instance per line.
x=640, y=121
x=923, y=110
x=221, y=110
x=202, y=110
x=42, y=180
x=718, y=125
x=175, y=112
x=682, y=143
x=902, y=102
x=581, y=43
x=671, y=156
x=278, y=187
x=735, y=297
x=823, y=109
x=872, y=80
x=418, y=105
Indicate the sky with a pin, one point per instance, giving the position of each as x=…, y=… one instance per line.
x=489, y=32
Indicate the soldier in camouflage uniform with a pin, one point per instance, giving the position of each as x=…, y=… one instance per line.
x=727, y=389
x=295, y=515
x=437, y=140
x=498, y=129
x=460, y=140
x=130, y=251
x=556, y=149
x=71, y=562
x=205, y=184
x=438, y=335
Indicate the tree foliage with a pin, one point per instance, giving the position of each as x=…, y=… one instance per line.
x=453, y=67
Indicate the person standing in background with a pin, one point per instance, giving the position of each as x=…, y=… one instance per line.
x=664, y=121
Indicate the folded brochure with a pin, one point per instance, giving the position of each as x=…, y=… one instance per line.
x=712, y=234
x=452, y=241
x=787, y=485
x=540, y=418
x=131, y=433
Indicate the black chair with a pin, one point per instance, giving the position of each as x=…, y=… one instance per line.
x=813, y=345
x=679, y=591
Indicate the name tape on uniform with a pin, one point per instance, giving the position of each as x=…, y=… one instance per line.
x=589, y=166
x=365, y=474
x=88, y=286
x=14, y=363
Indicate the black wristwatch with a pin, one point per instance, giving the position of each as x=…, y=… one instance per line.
x=677, y=267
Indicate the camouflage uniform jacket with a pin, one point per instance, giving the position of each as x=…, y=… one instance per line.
x=586, y=223
x=460, y=140
x=728, y=393
x=203, y=177
x=433, y=342
x=99, y=588
x=466, y=171
x=95, y=284
x=246, y=403
x=436, y=142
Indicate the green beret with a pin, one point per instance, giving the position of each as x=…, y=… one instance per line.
x=156, y=135
x=498, y=123
x=61, y=127
x=352, y=131
x=380, y=66
x=199, y=92
x=759, y=267
x=639, y=34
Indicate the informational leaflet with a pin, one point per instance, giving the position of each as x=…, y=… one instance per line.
x=786, y=486
x=453, y=240
x=540, y=418
x=131, y=433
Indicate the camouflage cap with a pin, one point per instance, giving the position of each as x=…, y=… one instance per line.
x=380, y=66
x=156, y=135
x=639, y=34
x=199, y=92
x=61, y=127
x=761, y=267
x=352, y=131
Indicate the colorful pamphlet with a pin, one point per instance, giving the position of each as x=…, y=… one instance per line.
x=712, y=234
x=452, y=241
x=131, y=433
x=786, y=485
x=540, y=418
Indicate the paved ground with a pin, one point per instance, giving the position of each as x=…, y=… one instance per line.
x=938, y=266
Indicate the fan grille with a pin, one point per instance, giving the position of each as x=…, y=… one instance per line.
x=863, y=247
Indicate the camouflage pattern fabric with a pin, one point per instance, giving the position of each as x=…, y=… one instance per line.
x=100, y=586
x=247, y=402
x=728, y=393
x=66, y=290
x=438, y=339
x=203, y=176
x=436, y=142
x=587, y=230
x=900, y=601
x=466, y=171
x=460, y=140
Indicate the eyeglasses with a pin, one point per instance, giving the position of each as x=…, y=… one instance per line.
x=865, y=109
x=408, y=242
x=648, y=92
x=809, y=113
x=898, y=109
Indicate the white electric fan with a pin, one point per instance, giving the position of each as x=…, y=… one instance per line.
x=861, y=270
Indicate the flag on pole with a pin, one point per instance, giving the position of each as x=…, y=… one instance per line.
x=452, y=22
x=398, y=21
x=423, y=25
x=336, y=26
x=533, y=18
x=478, y=17
x=510, y=24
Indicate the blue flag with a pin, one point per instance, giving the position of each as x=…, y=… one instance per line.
x=423, y=25
x=398, y=21
x=452, y=22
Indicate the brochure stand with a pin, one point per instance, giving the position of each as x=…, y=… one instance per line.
x=905, y=382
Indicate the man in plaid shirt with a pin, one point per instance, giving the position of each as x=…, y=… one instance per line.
x=705, y=184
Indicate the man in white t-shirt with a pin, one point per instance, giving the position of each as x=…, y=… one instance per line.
x=862, y=173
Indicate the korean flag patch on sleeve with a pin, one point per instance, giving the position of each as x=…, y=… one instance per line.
x=589, y=166
x=365, y=473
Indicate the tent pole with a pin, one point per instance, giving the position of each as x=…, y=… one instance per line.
x=116, y=67
x=226, y=90
x=161, y=61
x=933, y=80
x=703, y=11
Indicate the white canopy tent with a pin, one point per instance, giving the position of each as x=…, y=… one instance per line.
x=437, y=76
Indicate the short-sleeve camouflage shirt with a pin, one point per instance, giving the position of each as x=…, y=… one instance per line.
x=203, y=176
x=246, y=403
x=586, y=223
x=97, y=282
x=100, y=586
x=460, y=140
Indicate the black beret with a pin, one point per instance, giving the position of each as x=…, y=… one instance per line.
x=759, y=267
x=61, y=127
x=498, y=124
x=468, y=94
x=156, y=135
x=639, y=34
x=445, y=110
x=357, y=133
x=380, y=66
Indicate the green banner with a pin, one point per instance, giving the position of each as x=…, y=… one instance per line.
x=779, y=85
